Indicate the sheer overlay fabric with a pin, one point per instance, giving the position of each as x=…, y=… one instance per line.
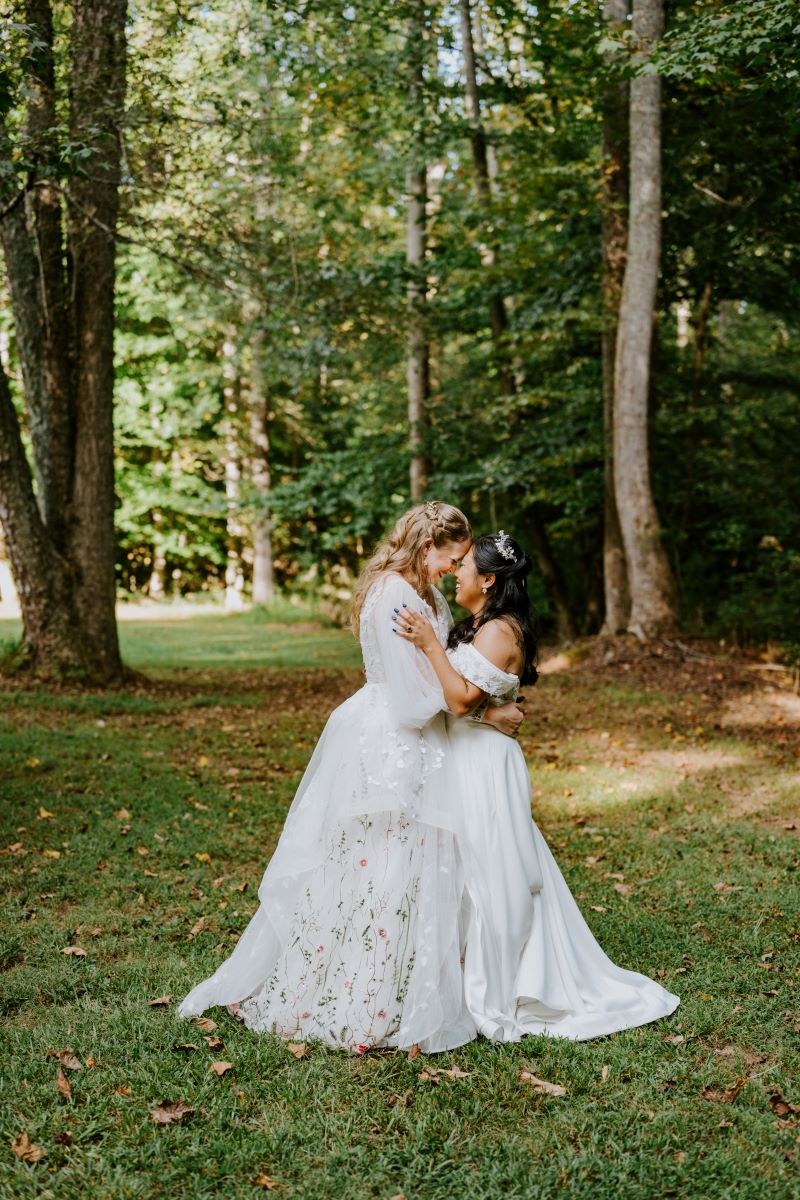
x=356, y=938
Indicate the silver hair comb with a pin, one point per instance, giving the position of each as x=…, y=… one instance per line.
x=503, y=543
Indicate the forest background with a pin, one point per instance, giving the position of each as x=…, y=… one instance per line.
x=372, y=253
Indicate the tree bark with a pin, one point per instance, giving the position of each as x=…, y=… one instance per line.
x=62, y=296
x=614, y=237
x=418, y=365
x=649, y=575
x=263, y=569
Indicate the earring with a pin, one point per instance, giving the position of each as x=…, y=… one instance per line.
x=484, y=590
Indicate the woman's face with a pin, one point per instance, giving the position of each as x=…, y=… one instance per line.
x=469, y=584
x=441, y=560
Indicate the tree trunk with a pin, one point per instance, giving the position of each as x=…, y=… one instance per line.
x=62, y=294
x=417, y=370
x=614, y=237
x=649, y=576
x=263, y=572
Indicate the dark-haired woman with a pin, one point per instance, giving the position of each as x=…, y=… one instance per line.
x=531, y=963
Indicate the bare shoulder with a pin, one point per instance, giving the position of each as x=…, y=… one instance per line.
x=498, y=641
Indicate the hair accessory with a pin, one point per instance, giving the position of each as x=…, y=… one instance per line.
x=503, y=543
x=431, y=510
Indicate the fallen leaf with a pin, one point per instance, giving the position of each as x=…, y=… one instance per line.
x=402, y=1100
x=456, y=1073
x=74, y=951
x=25, y=1149
x=604, y=1072
x=204, y=1023
x=203, y=856
x=185, y=1046
x=122, y=1090
x=429, y=1075
x=198, y=927
x=729, y=1095
x=220, y=1068
x=170, y=1111
x=52, y=853
x=44, y=814
x=265, y=1181
x=63, y=1084
x=213, y=1042
x=69, y=1060
x=122, y=814
x=143, y=851
x=91, y=1062
x=298, y=1049
x=675, y=1040
x=679, y=1156
x=202, y=760
x=782, y=1107
x=597, y=907
x=624, y=889
x=414, y=1052
x=241, y=887
x=160, y=1002
x=541, y=1085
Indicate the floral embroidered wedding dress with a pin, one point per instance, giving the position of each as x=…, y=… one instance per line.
x=356, y=938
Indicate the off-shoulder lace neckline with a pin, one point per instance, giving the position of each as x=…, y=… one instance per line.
x=469, y=646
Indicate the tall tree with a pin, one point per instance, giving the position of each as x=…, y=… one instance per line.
x=59, y=249
x=614, y=237
x=418, y=360
x=649, y=575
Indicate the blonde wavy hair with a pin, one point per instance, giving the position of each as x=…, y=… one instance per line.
x=403, y=550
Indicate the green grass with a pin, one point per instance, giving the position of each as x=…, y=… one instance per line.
x=658, y=786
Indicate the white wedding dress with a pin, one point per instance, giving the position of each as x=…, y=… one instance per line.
x=531, y=963
x=356, y=938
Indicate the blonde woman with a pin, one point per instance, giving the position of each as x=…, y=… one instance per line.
x=356, y=939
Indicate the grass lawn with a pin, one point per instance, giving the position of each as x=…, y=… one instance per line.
x=136, y=826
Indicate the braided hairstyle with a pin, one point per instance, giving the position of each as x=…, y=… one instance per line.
x=506, y=599
x=403, y=550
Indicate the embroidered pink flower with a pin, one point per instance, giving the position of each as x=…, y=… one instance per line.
x=320, y=949
x=306, y=1015
x=347, y=983
x=363, y=862
x=382, y=933
x=382, y=1014
x=362, y=1049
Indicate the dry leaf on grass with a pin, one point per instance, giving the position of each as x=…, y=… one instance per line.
x=240, y=887
x=414, y=1052
x=198, y=927
x=122, y=814
x=44, y=814
x=213, y=1042
x=203, y=856
x=204, y=1023
x=221, y=1068
x=541, y=1085
x=160, y=1002
x=782, y=1107
x=265, y=1181
x=401, y=1100
x=67, y=1058
x=729, y=1095
x=122, y=1090
x=52, y=853
x=298, y=1049
x=74, y=951
x=675, y=1039
x=170, y=1111
x=604, y=1072
x=63, y=1084
x=185, y=1046
x=25, y=1149
x=90, y=1062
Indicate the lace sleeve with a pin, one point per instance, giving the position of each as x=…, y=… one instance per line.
x=406, y=676
x=470, y=663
